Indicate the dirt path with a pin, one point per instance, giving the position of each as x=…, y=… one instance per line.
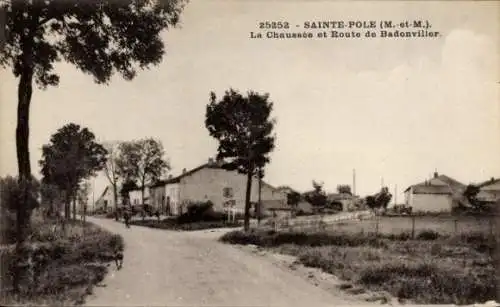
x=165, y=268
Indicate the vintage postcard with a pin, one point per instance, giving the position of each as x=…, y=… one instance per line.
x=249, y=153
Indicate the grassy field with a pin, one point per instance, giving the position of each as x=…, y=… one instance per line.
x=433, y=268
x=441, y=224
x=57, y=270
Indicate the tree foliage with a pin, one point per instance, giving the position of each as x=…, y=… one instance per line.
x=142, y=162
x=344, y=189
x=71, y=156
x=379, y=200
x=98, y=37
x=11, y=194
x=316, y=197
x=244, y=129
x=293, y=198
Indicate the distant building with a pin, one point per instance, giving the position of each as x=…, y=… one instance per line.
x=343, y=200
x=135, y=196
x=489, y=191
x=106, y=200
x=438, y=194
x=208, y=182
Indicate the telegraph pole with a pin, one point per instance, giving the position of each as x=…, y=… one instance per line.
x=396, y=195
x=354, y=182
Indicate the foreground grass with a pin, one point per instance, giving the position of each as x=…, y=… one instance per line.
x=58, y=270
x=173, y=224
x=431, y=269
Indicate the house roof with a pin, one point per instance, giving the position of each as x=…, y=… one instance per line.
x=487, y=183
x=178, y=178
x=103, y=193
x=441, y=184
x=287, y=189
x=431, y=189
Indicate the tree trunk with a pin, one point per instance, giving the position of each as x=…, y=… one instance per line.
x=25, y=89
x=246, y=224
x=74, y=208
x=259, y=205
x=142, y=202
x=115, y=199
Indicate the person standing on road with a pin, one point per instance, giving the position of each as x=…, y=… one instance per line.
x=126, y=216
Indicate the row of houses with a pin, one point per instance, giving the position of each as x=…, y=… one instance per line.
x=225, y=189
x=207, y=182
x=442, y=193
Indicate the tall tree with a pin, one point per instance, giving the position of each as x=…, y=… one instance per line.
x=379, y=200
x=111, y=170
x=99, y=37
x=142, y=161
x=293, y=200
x=243, y=126
x=71, y=156
x=317, y=197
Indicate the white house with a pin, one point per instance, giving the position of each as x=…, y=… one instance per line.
x=489, y=191
x=135, y=196
x=438, y=194
x=209, y=182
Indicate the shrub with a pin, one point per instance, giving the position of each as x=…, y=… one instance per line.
x=429, y=283
x=200, y=211
x=402, y=236
x=271, y=238
x=65, y=267
x=428, y=235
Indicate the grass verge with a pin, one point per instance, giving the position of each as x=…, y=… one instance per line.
x=431, y=269
x=57, y=269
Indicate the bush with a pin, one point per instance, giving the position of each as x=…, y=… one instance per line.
x=271, y=238
x=428, y=235
x=200, y=211
x=175, y=224
x=402, y=236
x=65, y=267
x=428, y=283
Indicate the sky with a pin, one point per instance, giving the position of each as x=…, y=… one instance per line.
x=395, y=110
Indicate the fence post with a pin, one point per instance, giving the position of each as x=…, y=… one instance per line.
x=455, y=225
x=413, y=227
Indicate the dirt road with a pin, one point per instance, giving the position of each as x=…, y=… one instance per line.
x=166, y=268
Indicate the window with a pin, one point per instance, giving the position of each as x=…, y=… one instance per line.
x=227, y=192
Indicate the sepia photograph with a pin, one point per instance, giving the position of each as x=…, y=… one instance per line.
x=249, y=153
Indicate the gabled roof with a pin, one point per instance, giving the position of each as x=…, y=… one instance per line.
x=441, y=184
x=431, y=189
x=178, y=178
x=103, y=193
x=492, y=181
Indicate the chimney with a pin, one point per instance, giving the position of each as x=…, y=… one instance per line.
x=492, y=179
x=210, y=161
x=183, y=171
x=436, y=174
